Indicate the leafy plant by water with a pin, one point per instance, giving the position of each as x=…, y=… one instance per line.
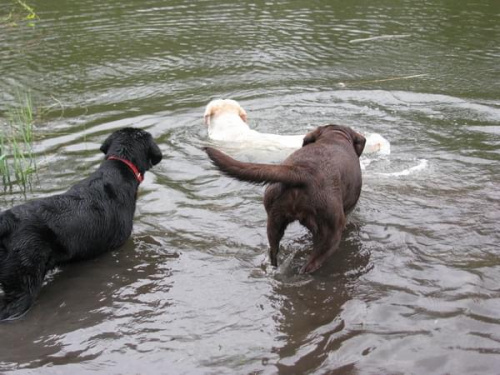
x=20, y=12
x=17, y=161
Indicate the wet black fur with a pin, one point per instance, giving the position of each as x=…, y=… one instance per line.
x=92, y=217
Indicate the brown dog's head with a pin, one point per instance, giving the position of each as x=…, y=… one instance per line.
x=356, y=139
x=135, y=145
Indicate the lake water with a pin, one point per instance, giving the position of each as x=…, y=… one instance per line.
x=415, y=285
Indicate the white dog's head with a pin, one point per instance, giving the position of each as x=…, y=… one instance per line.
x=218, y=107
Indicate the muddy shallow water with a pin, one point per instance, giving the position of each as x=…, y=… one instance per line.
x=414, y=287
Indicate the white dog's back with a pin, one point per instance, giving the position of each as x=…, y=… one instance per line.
x=227, y=121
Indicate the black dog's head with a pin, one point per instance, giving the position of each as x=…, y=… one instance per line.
x=356, y=139
x=135, y=145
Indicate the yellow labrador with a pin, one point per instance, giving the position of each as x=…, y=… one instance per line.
x=227, y=121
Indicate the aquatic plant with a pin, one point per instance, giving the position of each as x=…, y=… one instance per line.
x=20, y=11
x=17, y=162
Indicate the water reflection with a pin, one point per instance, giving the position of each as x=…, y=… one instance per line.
x=115, y=304
x=310, y=321
x=414, y=287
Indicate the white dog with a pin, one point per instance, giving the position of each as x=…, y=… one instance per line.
x=227, y=121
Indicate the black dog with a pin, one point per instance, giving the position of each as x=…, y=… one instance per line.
x=318, y=185
x=92, y=217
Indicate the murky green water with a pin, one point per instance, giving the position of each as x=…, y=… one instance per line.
x=414, y=288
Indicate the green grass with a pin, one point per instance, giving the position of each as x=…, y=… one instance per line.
x=20, y=12
x=17, y=162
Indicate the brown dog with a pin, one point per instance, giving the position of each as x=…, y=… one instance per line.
x=318, y=185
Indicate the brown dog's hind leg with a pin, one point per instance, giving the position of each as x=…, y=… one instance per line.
x=325, y=242
x=275, y=230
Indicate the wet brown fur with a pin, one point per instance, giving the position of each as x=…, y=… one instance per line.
x=318, y=185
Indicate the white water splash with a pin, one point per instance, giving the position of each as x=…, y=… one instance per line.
x=405, y=172
x=380, y=37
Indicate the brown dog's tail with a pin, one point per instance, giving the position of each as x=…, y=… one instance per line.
x=258, y=173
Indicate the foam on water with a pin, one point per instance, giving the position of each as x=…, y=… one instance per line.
x=422, y=164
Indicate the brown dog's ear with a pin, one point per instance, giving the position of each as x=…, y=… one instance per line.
x=311, y=137
x=105, y=146
x=154, y=153
x=358, y=143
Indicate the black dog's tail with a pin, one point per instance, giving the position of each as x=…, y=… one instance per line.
x=258, y=173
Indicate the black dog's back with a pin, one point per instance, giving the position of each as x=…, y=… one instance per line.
x=93, y=216
x=38, y=235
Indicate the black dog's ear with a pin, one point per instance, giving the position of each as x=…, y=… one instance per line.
x=105, y=146
x=154, y=153
x=311, y=137
x=358, y=143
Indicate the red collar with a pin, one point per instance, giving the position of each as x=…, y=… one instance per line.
x=138, y=175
